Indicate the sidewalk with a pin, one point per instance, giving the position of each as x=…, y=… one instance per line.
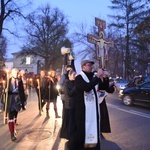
x=36, y=132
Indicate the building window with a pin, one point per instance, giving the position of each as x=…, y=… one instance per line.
x=28, y=60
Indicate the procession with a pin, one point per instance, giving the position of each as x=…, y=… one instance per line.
x=48, y=86
x=18, y=98
x=69, y=86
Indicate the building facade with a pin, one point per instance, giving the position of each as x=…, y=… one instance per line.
x=30, y=63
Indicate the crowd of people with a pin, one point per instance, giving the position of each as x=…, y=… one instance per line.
x=84, y=116
x=46, y=90
x=16, y=95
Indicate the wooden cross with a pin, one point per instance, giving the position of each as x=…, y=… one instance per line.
x=102, y=44
x=101, y=24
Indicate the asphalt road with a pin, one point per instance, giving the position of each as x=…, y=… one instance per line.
x=130, y=125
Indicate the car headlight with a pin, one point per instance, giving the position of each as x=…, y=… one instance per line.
x=121, y=92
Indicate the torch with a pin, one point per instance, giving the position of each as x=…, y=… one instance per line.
x=6, y=97
x=40, y=102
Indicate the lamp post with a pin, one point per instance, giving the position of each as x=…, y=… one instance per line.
x=65, y=51
x=71, y=58
x=67, y=56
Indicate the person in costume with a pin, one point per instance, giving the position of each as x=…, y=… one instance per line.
x=87, y=117
x=16, y=100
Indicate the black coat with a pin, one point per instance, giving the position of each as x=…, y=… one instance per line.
x=44, y=87
x=70, y=95
x=48, y=89
x=69, y=110
x=19, y=95
x=77, y=140
x=53, y=89
x=105, y=123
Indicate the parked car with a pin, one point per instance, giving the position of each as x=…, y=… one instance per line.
x=120, y=84
x=138, y=80
x=136, y=95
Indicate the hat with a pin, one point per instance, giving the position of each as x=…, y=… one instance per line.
x=86, y=61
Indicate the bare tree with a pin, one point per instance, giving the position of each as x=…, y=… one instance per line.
x=131, y=13
x=142, y=42
x=79, y=37
x=2, y=49
x=10, y=9
x=116, y=65
x=143, y=29
x=47, y=28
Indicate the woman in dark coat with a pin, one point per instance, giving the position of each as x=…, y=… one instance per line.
x=69, y=106
x=105, y=124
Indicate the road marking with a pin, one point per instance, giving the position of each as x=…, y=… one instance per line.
x=130, y=111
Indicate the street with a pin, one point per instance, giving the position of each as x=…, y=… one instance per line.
x=129, y=125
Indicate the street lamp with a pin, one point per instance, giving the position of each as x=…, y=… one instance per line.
x=67, y=55
x=71, y=58
x=65, y=51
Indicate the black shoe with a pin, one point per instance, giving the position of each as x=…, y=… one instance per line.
x=66, y=146
x=23, y=108
x=13, y=138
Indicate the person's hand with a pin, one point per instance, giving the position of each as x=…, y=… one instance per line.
x=105, y=73
x=99, y=73
x=6, y=90
x=15, y=90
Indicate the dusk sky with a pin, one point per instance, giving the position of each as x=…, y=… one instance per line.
x=78, y=11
